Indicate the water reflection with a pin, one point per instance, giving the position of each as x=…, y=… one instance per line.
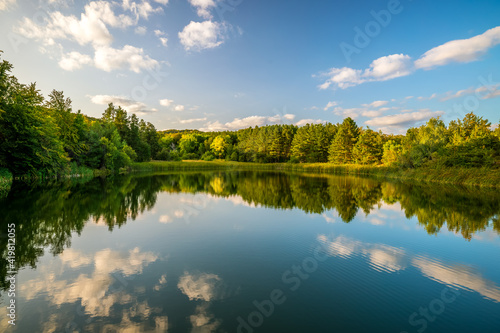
x=389, y=259
x=50, y=214
x=199, y=271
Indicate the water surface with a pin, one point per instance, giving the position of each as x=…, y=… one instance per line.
x=252, y=252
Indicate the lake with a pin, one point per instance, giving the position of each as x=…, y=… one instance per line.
x=249, y=251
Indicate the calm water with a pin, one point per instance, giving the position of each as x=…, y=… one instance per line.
x=252, y=252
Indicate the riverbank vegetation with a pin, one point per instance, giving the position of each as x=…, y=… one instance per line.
x=43, y=138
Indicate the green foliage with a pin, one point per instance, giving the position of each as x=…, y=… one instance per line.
x=46, y=138
x=391, y=152
x=341, y=149
x=219, y=146
x=368, y=149
x=41, y=137
x=312, y=141
x=208, y=156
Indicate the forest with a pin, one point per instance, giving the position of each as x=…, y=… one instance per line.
x=43, y=137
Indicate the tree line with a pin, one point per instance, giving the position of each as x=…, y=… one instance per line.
x=43, y=136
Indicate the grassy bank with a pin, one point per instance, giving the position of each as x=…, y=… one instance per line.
x=460, y=176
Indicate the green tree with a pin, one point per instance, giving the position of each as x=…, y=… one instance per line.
x=341, y=149
x=219, y=146
x=29, y=140
x=368, y=148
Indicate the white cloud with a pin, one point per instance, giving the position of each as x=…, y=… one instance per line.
x=91, y=28
x=202, y=35
x=330, y=105
x=398, y=65
x=309, y=121
x=6, y=4
x=141, y=30
x=397, y=121
x=127, y=104
x=179, y=108
x=491, y=92
x=495, y=93
x=388, y=67
x=239, y=123
x=203, y=7
x=189, y=121
x=371, y=113
x=164, y=41
x=163, y=2
x=142, y=9
x=460, y=50
x=166, y=102
x=376, y=104
x=108, y=59
x=74, y=60
x=381, y=69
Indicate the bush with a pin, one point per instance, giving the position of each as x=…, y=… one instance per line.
x=163, y=155
x=208, y=156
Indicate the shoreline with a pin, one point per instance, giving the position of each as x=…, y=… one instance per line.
x=483, y=177
x=478, y=177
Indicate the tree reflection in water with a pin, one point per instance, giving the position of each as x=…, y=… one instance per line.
x=46, y=215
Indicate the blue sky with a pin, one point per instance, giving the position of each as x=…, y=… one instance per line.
x=230, y=64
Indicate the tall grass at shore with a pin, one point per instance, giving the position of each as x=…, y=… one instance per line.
x=489, y=177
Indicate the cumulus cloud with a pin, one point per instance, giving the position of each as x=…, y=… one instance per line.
x=133, y=58
x=330, y=105
x=202, y=35
x=203, y=7
x=6, y=4
x=309, y=121
x=460, y=50
x=381, y=69
x=161, y=36
x=166, y=102
x=179, y=108
x=397, y=121
x=141, y=30
x=92, y=28
x=142, y=9
x=252, y=121
x=74, y=60
x=127, y=104
x=398, y=65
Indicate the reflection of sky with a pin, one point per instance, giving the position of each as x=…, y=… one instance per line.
x=205, y=239
x=390, y=259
